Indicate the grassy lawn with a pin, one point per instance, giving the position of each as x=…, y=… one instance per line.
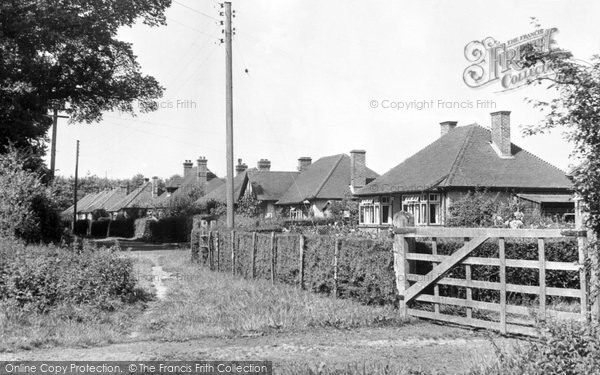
x=201, y=303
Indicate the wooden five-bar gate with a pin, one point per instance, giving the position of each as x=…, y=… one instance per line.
x=417, y=288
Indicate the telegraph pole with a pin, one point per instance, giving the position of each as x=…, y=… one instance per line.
x=75, y=188
x=55, y=118
x=229, y=115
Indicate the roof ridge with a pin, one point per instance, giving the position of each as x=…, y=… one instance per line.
x=459, y=155
x=329, y=175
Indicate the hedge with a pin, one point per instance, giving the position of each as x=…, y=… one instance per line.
x=121, y=228
x=171, y=229
x=43, y=277
x=366, y=265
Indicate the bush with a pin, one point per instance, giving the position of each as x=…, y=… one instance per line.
x=171, y=229
x=99, y=228
x=81, y=227
x=565, y=348
x=121, y=228
x=26, y=207
x=41, y=278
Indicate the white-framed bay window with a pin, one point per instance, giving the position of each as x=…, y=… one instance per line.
x=425, y=208
x=375, y=211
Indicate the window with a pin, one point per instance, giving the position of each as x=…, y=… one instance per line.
x=425, y=208
x=367, y=212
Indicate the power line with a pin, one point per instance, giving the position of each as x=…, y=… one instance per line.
x=195, y=10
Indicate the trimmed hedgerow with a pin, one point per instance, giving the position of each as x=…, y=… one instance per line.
x=170, y=229
x=288, y=259
x=99, y=228
x=121, y=228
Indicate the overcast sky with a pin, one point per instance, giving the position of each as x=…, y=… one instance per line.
x=313, y=70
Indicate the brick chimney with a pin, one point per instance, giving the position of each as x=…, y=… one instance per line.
x=501, y=133
x=264, y=165
x=358, y=169
x=187, y=168
x=303, y=163
x=240, y=167
x=202, y=171
x=446, y=127
x=154, y=187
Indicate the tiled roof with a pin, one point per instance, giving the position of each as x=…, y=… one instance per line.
x=465, y=158
x=270, y=185
x=220, y=193
x=327, y=178
x=106, y=199
x=141, y=197
x=82, y=204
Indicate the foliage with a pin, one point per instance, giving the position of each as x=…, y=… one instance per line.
x=568, y=348
x=41, y=278
x=183, y=201
x=121, y=228
x=575, y=110
x=249, y=206
x=345, y=210
x=365, y=266
x=26, y=207
x=171, y=229
x=474, y=209
x=66, y=51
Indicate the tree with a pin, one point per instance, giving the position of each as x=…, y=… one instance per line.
x=57, y=51
x=26, y=208
x=575, y=110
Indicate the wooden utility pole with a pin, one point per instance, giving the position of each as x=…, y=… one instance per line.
x=75, y=187
x=229, y=114
x=55, y=117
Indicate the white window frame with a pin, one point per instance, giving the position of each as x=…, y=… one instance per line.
x=420, y=206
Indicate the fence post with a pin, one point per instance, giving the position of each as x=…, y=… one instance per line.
x=336, y=249
x=253, y=256
x=436, y=287
x=586, y=301
x=542, y=257
x=302, y=249
x=502, y=257
x=273, y=257
x=402, y=246
x=469, y=291
x=210, y=250
x=218, y=246
x=194, y=249
x=233, y=252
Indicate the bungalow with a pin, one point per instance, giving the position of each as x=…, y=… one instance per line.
x=330, y=178
x=193, y=178
x=93, y=205
x=266, y=186
x=463, y=159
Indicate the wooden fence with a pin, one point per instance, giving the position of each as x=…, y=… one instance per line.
x=506, y=318
x=207, y=248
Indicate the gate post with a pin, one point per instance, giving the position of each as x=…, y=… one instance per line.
x=402, y=245
x=588, y=255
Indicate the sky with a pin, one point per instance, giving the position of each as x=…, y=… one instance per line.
x=318, y=78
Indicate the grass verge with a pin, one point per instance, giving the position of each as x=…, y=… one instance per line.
x=201, y=303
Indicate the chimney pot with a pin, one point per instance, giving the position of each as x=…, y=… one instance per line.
x=240, y=167
x=501, y=132
x=358, y=169
x=202, y=171
x=264, y=165
x=154, y=187
x=303, y=163
x=446, y=127
x=187, y=167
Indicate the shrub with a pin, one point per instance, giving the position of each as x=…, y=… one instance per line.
x=171, y=229
x=41, y=278
x=568, y=348
x=26, y=208
x=121, y=228
x=473, y=209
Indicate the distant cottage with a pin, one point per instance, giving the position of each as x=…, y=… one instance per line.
x=464, y=159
